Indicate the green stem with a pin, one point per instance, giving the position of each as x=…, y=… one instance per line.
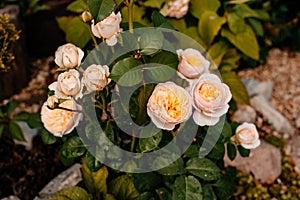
x=94, y=39
x=132, y=142
x=130, y=14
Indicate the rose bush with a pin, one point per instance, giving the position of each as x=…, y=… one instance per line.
x=156, y=83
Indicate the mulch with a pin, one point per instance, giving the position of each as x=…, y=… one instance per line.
x=24, y=173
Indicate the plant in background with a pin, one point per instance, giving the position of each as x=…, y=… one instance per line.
x=8, y=121
x=28, y=7
x=8, y=36
x=144, y=109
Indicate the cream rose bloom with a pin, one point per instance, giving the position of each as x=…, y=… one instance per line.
x=168, y=105
x=67, y=84
x=108, y=28
x=191, y=63
x=210, y=99
x=60, y=122
x=177, y=8
x=68, y=56
x=246, y=134
x=95, y=77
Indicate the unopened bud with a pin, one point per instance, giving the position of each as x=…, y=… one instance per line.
x=52, y=101
x=86, y=16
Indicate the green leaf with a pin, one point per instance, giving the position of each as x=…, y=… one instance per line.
x=100, y=9
x=246, y=41
x=262, y=14
x=245, y=11
x=163, y=193
x=231, y=58
x=77, y=6
x=1, y=129
x=160, y=21
x=236, y=23
x=15, y=131
x=95, y=181
x=34, y=120
x=123, y=188
x=209, y=26
x=187, y=188
x=243, y=152
x=231, y=151
x=227, y=131
x=151, y=41
x=10, y=107
x=23, y=116
x=63, y=22
x=217, y=152
x=237, y=1
x=256, y=26
x=150, y=143
x=194, y=33
x=217, y=51
x=166, y=58
x=109, y=197
x=175, y=168
x=92, y=163
x=146, y=181
x=123, y=73
x=154, y=3
x=74, y=193
x=146, y=196
x=225, y=186
x=160, y=73
x=78, y=32
x=208, y=192
x=1, y=113
x=144, y=94
x=73, y=147
x=203, y=168
x=65, y=161
x=197, y=8
x=237, y=87
x=47, y=137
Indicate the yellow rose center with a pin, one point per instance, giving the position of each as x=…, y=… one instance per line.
x=194, y=60
x=172, y=105
x=209, y=92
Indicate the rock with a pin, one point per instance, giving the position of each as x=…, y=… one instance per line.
x=244, y=113
x=67, y=178
x=292, y=148
x=275, y=118
x=255, y=87
x=11, y=198
x=28, y=133
x=264, y=162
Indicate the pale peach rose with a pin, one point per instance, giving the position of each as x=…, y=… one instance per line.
x=68, y=56
x=95, y=77
x=52, y=101
x=192, y=63
x=60, y=122
x=176, y=8
x=168, y=105
x=210, y=99
x=246, y=134
x=67, y=84
x=108, y=28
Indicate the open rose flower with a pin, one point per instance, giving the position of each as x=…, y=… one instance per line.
x=67, y=84
x=95, y=77
x=191, y=63
x=68, y=56
x=210, y=99
x=58, y=121
x=246, y=134
x=168, y=105
x=108, y=28
x=177, y=8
